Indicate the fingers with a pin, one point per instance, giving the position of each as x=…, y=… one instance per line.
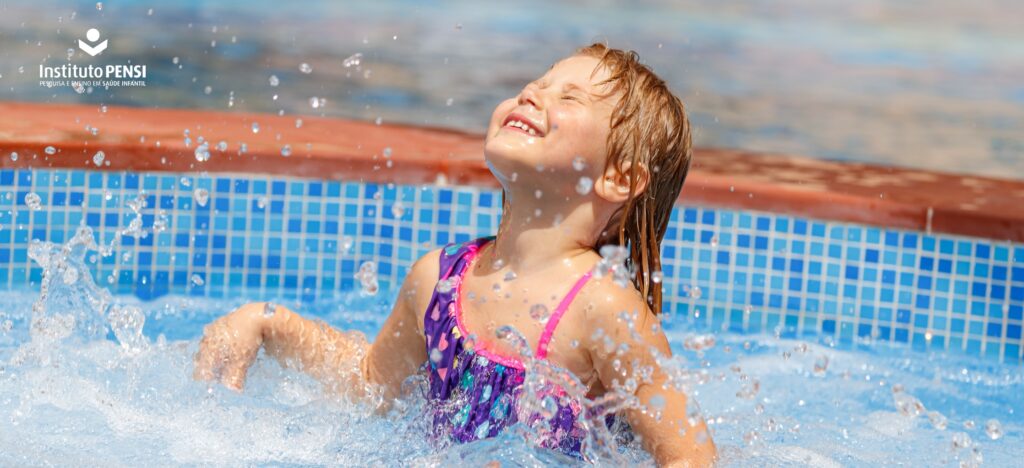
x=203, y=360
x=234, y=375
x=223, y=356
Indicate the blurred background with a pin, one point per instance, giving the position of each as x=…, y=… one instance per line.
x=935, y=84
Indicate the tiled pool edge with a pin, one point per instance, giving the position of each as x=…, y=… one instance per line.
x=166, y=139
x=739, y=270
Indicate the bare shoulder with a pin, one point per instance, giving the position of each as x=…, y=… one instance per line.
x=422, y=279
x=622, y=312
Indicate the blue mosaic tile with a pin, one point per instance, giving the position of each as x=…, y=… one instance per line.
x=304, y=239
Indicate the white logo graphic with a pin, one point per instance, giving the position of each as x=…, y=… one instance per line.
x=92, y=35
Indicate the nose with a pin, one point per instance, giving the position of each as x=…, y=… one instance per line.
x=529, y=95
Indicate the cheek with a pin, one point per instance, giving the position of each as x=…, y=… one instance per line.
x=580, y=135
x=501, y=111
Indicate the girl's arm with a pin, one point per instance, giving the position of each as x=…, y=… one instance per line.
x=673, y=435
x=343, y=361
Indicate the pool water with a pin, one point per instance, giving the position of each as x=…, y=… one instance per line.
x=769, y=401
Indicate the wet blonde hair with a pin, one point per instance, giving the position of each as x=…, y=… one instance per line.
x=649, y=129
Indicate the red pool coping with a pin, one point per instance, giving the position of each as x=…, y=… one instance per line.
x=154, y=140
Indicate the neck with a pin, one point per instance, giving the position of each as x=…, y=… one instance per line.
x=528, y=242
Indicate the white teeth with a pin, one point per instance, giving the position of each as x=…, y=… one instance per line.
x=523, y=125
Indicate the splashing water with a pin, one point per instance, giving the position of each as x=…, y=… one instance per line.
x=613, y=258
x=78, y=365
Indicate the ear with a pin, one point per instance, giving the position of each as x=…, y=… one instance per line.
x=614, y=184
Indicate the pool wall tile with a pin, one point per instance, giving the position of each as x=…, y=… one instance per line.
x=743, y=271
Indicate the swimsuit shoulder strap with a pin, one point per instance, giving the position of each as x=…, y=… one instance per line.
x=549, y=329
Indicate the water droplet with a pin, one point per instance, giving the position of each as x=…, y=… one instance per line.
x=274, y=81
x=449, y=102
x=352, y=60
x=821, y=365
x=33, y=201
x=397, y=210
x=175, y=60
x=612, y=261
x=222, y=146
x=435, y=355
x=316, y=102
x=298, y=123
x=261, y=201
x=269, y=308
x=961, y=440
x=969, y=424
x=584, y=185
x=446, y=285
x=378, y=120
x=203, y=152
x=346, y=243
x=78, y=87
x=367, y=276
x=255, y=127
x=207, y=90
x=578, y=163
x=714, y=241
x=699, y=342
x=908, y=405
x=201, y=196
x=98, y=158
x=99, y=6
x=50, y=150
x=695, y=292
x=539, y=312
x=657, y=277
x=197, y=280
x=286, y=150
x=14, y=156
x=938, y=420
x=510, y=275
x=305, y=68
x=993, y=429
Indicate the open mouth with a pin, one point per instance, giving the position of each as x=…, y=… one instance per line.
x=517, y=122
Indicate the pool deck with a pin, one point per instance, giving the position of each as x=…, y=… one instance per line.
x=154, y=140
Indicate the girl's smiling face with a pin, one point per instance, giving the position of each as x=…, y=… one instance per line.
x=562, y=116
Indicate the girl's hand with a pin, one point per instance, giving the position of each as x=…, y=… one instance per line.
x=229, y=346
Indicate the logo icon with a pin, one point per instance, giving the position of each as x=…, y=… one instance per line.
x=92, y=35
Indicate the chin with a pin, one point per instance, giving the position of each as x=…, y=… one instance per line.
x=503, y=161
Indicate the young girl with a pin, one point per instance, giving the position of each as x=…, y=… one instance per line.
x=591, y=158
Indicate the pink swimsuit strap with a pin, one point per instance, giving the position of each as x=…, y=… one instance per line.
x=549, y=329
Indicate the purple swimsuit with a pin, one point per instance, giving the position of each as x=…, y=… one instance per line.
x=474, y=392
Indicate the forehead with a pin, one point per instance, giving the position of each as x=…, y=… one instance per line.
x=583, y=71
